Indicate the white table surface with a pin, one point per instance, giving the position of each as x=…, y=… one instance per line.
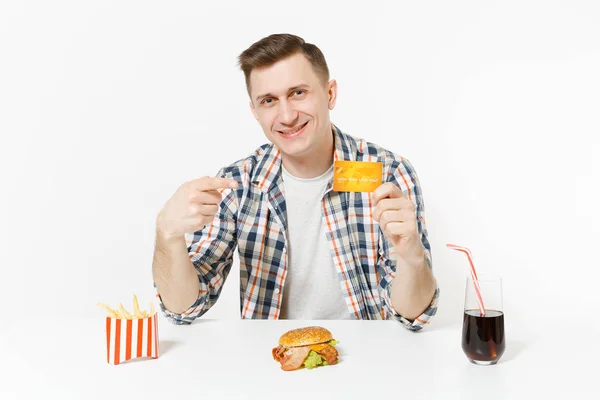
x=66, y=359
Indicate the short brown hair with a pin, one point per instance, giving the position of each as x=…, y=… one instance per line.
x=277, y=47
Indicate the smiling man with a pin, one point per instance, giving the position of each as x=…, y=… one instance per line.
x=306, y=251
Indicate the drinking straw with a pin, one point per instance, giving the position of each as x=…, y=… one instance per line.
x=473, y=275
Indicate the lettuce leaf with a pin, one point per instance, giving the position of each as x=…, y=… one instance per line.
x=314, y=359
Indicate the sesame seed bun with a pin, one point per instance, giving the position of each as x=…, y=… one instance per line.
x=305, y=336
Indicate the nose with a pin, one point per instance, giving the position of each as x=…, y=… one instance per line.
x=287, y=114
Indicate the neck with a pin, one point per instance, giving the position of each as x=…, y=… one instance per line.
x=313, y=164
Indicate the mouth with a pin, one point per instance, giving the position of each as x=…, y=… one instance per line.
x=291, y=133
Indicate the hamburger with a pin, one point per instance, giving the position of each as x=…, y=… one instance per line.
x=307, y=347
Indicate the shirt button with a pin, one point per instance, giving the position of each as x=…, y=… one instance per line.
x=276, y=291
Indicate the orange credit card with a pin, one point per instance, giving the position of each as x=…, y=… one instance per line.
x=356, y=176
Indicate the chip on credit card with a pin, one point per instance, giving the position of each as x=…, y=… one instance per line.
x=356, y=176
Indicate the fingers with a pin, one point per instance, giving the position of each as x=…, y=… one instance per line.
x=393, y=204
x=399, y=229
x=208, y=183
x=387, y=190
x=393, y=216
x=207, y=210
x=208, y=197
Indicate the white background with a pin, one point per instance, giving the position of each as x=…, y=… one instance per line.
x=107, y=107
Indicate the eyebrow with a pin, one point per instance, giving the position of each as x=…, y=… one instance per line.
x=301, y=86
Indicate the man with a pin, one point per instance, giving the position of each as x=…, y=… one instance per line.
x=306, y=251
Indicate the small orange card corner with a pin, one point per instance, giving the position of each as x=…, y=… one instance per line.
x=356, y=176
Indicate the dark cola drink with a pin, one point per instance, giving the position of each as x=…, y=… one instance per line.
x=483, y=337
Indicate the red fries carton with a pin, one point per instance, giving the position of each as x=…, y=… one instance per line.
x=127, y=339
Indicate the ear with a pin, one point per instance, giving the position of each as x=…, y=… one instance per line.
x=332, y=91
x=253, y=110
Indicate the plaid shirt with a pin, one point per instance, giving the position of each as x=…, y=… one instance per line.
x=253, y=217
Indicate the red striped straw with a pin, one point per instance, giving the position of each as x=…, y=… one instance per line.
x=473, y=274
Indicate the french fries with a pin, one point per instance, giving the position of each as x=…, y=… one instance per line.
x=136, y=308
x=110, y=311
x=122, y=313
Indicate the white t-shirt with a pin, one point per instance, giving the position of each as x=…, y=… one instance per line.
x=312, y=288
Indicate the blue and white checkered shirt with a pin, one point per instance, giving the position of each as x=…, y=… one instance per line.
x=253, y=218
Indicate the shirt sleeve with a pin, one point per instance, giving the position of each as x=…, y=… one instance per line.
x=211, y=251
x=404, y=176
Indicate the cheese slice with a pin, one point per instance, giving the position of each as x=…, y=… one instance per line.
x=318, y=347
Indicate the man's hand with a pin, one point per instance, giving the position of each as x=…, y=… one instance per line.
x=192, y=206
x=397, y=219
x=413, y=286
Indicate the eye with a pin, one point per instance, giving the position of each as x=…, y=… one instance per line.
x=267, y=100
x=299, y=92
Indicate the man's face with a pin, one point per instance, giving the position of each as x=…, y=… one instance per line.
x=291, y=103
